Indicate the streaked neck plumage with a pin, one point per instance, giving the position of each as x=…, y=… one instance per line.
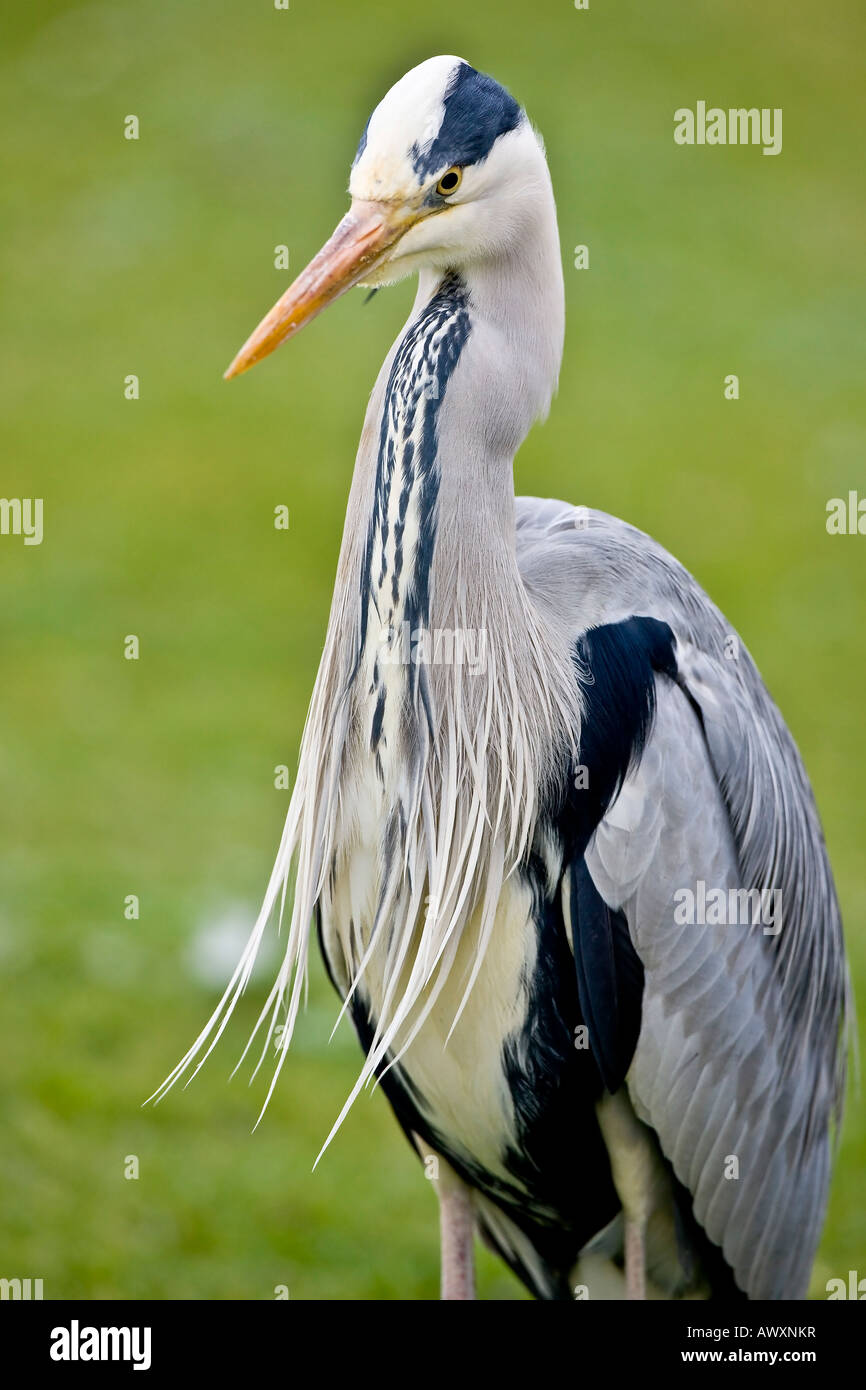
x=445, y=760
x=436, y=772
x=475, y=365
x=423, y=783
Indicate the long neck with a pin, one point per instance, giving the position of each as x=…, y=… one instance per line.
x=475, y=365
x=463, y=768
x=468, y=743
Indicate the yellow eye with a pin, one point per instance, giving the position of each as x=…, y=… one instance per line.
x=450, y=181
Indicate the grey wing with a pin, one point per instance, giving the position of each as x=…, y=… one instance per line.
x=739, y=1064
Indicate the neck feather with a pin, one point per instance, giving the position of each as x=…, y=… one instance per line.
x=465, y=754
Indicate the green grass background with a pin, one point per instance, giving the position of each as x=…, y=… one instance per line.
x=155, y=777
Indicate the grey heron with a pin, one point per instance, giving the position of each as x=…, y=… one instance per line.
x=560, y=848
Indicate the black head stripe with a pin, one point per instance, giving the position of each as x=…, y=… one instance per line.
x=477, y=112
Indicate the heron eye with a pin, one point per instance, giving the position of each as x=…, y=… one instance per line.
x=450, y=181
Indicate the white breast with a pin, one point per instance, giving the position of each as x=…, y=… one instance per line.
x=462, y=1078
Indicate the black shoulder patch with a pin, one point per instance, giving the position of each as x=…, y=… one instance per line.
x=477, y=111
x=617, y=668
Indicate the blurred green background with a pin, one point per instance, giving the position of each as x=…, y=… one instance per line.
x=156, y=257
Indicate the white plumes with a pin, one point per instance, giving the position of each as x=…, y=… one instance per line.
x=491, y=756
x=464, y=789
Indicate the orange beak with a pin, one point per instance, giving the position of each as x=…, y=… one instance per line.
x=360, y=240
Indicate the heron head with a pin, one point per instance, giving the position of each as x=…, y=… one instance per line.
x=447, y=174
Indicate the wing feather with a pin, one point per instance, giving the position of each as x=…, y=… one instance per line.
x=739, y=1063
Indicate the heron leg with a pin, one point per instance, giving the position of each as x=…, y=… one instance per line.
x=635, y=1259
x=456, y=1226
x=457, y=1234
x=638, y=1177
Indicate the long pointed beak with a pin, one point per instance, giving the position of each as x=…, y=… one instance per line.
x=363, y=236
